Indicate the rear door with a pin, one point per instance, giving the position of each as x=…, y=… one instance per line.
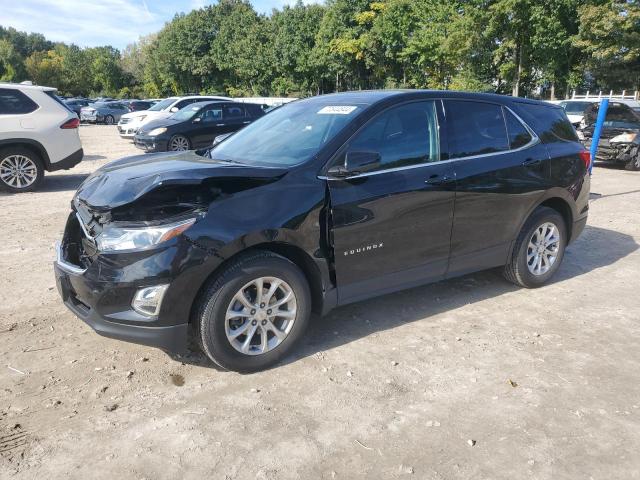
x=501, y=170
x=234, y=116
x=392, y=226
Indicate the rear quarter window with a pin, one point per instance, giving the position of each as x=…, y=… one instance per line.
x=14, y=102
x=549, y=122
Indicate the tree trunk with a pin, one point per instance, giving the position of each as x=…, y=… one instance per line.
x=553, y=90
x=516, y=83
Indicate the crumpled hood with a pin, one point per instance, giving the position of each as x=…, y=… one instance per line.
x=124, y=181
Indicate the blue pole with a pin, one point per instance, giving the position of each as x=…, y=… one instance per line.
x=602, y=113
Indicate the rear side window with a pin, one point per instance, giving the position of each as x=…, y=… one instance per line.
x=475, y=128
x=519, y=136
x=549, y=122
x=233, y=112
x=14, y=102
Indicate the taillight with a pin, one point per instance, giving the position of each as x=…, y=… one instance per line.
x=585, y=156
x=71, y=123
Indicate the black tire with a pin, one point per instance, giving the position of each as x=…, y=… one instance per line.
x=109, y=120
x=219, y=294
x=171, y=145
x=5, y=155
x=517, y=271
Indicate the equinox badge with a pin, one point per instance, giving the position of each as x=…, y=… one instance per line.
x=366, y=248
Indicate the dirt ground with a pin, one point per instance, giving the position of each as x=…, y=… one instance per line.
x=469, y=378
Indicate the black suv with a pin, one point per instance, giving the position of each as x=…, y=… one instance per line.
x=320, y=203
x=195, y=126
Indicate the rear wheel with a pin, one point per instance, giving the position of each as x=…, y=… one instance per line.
x=178, y=143
x=254, y=312
x=109, y=120
x=538, y=250
x=21, y=170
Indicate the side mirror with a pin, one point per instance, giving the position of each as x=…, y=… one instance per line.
x=355, y=163
x=197, y=120
x=220, y=138
x=174, y=109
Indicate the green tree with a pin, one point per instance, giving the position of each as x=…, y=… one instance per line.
x=609, y=35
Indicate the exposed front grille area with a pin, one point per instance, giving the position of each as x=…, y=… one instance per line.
x=77, y=249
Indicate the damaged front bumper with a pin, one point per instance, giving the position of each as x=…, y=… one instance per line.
x=100, y=291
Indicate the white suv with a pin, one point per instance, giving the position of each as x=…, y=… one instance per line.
x=130, y=122
x=37, y=133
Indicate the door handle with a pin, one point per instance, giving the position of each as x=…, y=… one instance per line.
x=219, y=124
x=436, y=179
x=531, y=162
x=247, y=122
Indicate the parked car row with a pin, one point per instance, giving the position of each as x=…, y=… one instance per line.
x=96, y=110
x=195, y=126
x=131, y=122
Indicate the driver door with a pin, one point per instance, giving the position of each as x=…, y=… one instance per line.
x=392, y=226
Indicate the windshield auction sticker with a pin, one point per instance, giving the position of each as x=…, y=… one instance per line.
x=336, y=110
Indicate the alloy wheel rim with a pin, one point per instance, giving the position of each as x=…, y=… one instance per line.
x=179, y=144
x=543, y=248
x=18, y=171
x=109, y=120
x=260, y=316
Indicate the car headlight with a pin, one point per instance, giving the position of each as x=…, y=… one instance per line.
x=138, y=238
x=624, y=138
x=157, y=131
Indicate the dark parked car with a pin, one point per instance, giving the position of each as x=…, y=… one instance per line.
x=195, y=126
x=322, y=202
x=137, y=105
x=75, y=104
x=620, y=136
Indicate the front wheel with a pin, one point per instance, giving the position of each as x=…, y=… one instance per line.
x=254, y=312
x=538, y=250
x=178, y=143
x=634, y=163
x=109, y=120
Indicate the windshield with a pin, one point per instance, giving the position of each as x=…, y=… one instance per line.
x=290, y=135
x=575, y=108
x=186, y=113
x=162, y=104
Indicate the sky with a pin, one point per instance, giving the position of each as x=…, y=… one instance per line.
x=90, y=23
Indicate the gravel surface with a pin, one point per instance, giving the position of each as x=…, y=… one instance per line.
x=468, y=378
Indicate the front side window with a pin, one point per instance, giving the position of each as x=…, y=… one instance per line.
x=475, y=128
x=212, y=115
x=404, y=135
x=14, y=102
